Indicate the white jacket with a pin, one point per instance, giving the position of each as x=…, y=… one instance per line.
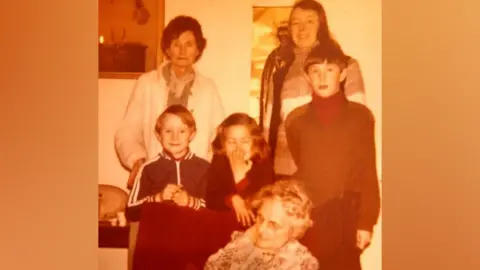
x=135, y=137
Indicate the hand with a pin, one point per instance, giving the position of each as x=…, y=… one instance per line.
x=181, y=198
x=133, y=173
x=363, y=239
x=240, y=163
x=244, y=215
x=167, y=193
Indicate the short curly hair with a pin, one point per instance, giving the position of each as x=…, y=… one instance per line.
x=295, y=200
x=178, y=26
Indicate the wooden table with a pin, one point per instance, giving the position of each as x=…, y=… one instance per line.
x=113, y=236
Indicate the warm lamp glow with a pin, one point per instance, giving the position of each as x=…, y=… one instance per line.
x=101, y=39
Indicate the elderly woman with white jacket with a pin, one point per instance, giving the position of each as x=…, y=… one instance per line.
x=176, y=81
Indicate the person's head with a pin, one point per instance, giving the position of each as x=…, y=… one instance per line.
x=283, y=213
x=241, y=132
x=182, y=41
x=325, y=69
x=175, y=129
x=308, y=24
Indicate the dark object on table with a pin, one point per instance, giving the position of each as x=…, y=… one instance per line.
x=112, y=236
x=128, y=57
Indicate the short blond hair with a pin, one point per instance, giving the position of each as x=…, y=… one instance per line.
x=295, y=200
x=180, y=111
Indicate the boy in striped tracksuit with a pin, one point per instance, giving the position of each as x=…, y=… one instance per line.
x=176, y=175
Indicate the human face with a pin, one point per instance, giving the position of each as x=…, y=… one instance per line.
x=175, y=136
x=273, y=226
x=183, y=51
x=325, y=78
x=304, y=25
x=238, y=138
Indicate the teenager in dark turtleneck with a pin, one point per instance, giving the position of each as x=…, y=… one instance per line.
x=332, y=143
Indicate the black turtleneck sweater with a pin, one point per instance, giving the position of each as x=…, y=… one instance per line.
x=333, y=145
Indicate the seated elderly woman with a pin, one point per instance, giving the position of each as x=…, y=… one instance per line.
x=283, y=216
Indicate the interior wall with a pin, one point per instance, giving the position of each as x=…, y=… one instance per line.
x=117, y=16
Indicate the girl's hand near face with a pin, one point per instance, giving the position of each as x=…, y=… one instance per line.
x=240, y=163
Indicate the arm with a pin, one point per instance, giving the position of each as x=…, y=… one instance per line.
x=195, y=202
x=128, y=139
x=140, y=193
x=262, y=174
x=292, y=139
x=265, y=86
x=370, y=194
x=354, y=83
x=196, y=198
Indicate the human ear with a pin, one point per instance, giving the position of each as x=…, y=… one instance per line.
x=192, y=136
x=307, y=77
x=157, y=134
x=343, y=74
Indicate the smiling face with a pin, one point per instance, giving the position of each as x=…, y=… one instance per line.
x=273, y=227
x=238, y=138
x=325, y=78
x=175, y=136
x=304, y=25
x=183, y=51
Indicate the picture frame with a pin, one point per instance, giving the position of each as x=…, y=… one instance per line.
x=129, y=33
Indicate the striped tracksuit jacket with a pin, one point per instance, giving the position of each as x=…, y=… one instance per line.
x=156, y=173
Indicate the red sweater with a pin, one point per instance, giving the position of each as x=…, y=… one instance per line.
x=333, y=144
x=328, y=109
x=221, y=184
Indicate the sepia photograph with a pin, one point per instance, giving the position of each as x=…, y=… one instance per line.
x=240, y=134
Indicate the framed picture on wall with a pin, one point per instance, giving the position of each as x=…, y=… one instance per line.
x=129, y=33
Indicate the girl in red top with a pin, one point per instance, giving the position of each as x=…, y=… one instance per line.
x=240, y=167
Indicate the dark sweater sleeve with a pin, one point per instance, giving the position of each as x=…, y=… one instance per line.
x=261, y=174
x=369, y=186
x=140, y=193
x=292, y=140
x=197, y=196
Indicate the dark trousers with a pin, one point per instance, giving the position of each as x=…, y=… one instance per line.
x=332, y=238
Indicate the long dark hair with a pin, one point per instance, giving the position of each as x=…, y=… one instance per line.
x=324, y=35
